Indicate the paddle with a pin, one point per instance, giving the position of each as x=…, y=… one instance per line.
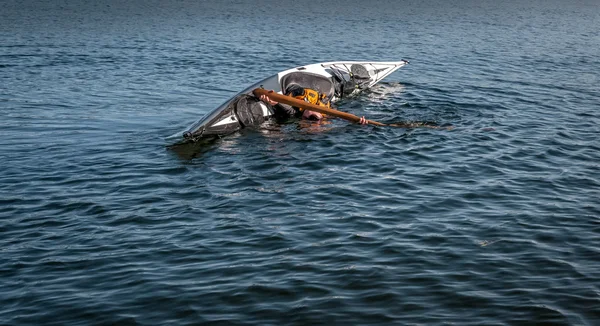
x=309, y=106
x=329, y=111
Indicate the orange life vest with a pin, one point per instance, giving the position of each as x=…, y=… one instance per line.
x=313, y=97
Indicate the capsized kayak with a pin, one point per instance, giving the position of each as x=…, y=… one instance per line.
x=333, y=79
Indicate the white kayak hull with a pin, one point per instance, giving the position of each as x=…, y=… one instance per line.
x=224, y=120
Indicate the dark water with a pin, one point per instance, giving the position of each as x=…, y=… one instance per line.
x=495, y=222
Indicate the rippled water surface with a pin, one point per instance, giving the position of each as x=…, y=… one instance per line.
x=494, y=222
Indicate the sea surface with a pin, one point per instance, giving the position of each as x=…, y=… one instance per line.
x=493, y=219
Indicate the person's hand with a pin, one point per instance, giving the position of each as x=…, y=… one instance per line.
x=363, y=121
x=266, y=99
x=312, y=115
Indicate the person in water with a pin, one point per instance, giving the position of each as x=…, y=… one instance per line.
x=284, y=111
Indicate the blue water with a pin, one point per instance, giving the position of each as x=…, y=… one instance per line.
x=494, y=222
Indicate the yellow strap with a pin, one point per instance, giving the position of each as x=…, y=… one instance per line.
x=313, y=97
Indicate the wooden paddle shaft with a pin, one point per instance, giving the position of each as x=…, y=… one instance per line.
x=309, y=106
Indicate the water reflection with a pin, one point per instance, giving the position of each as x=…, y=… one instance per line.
x=190, y=150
